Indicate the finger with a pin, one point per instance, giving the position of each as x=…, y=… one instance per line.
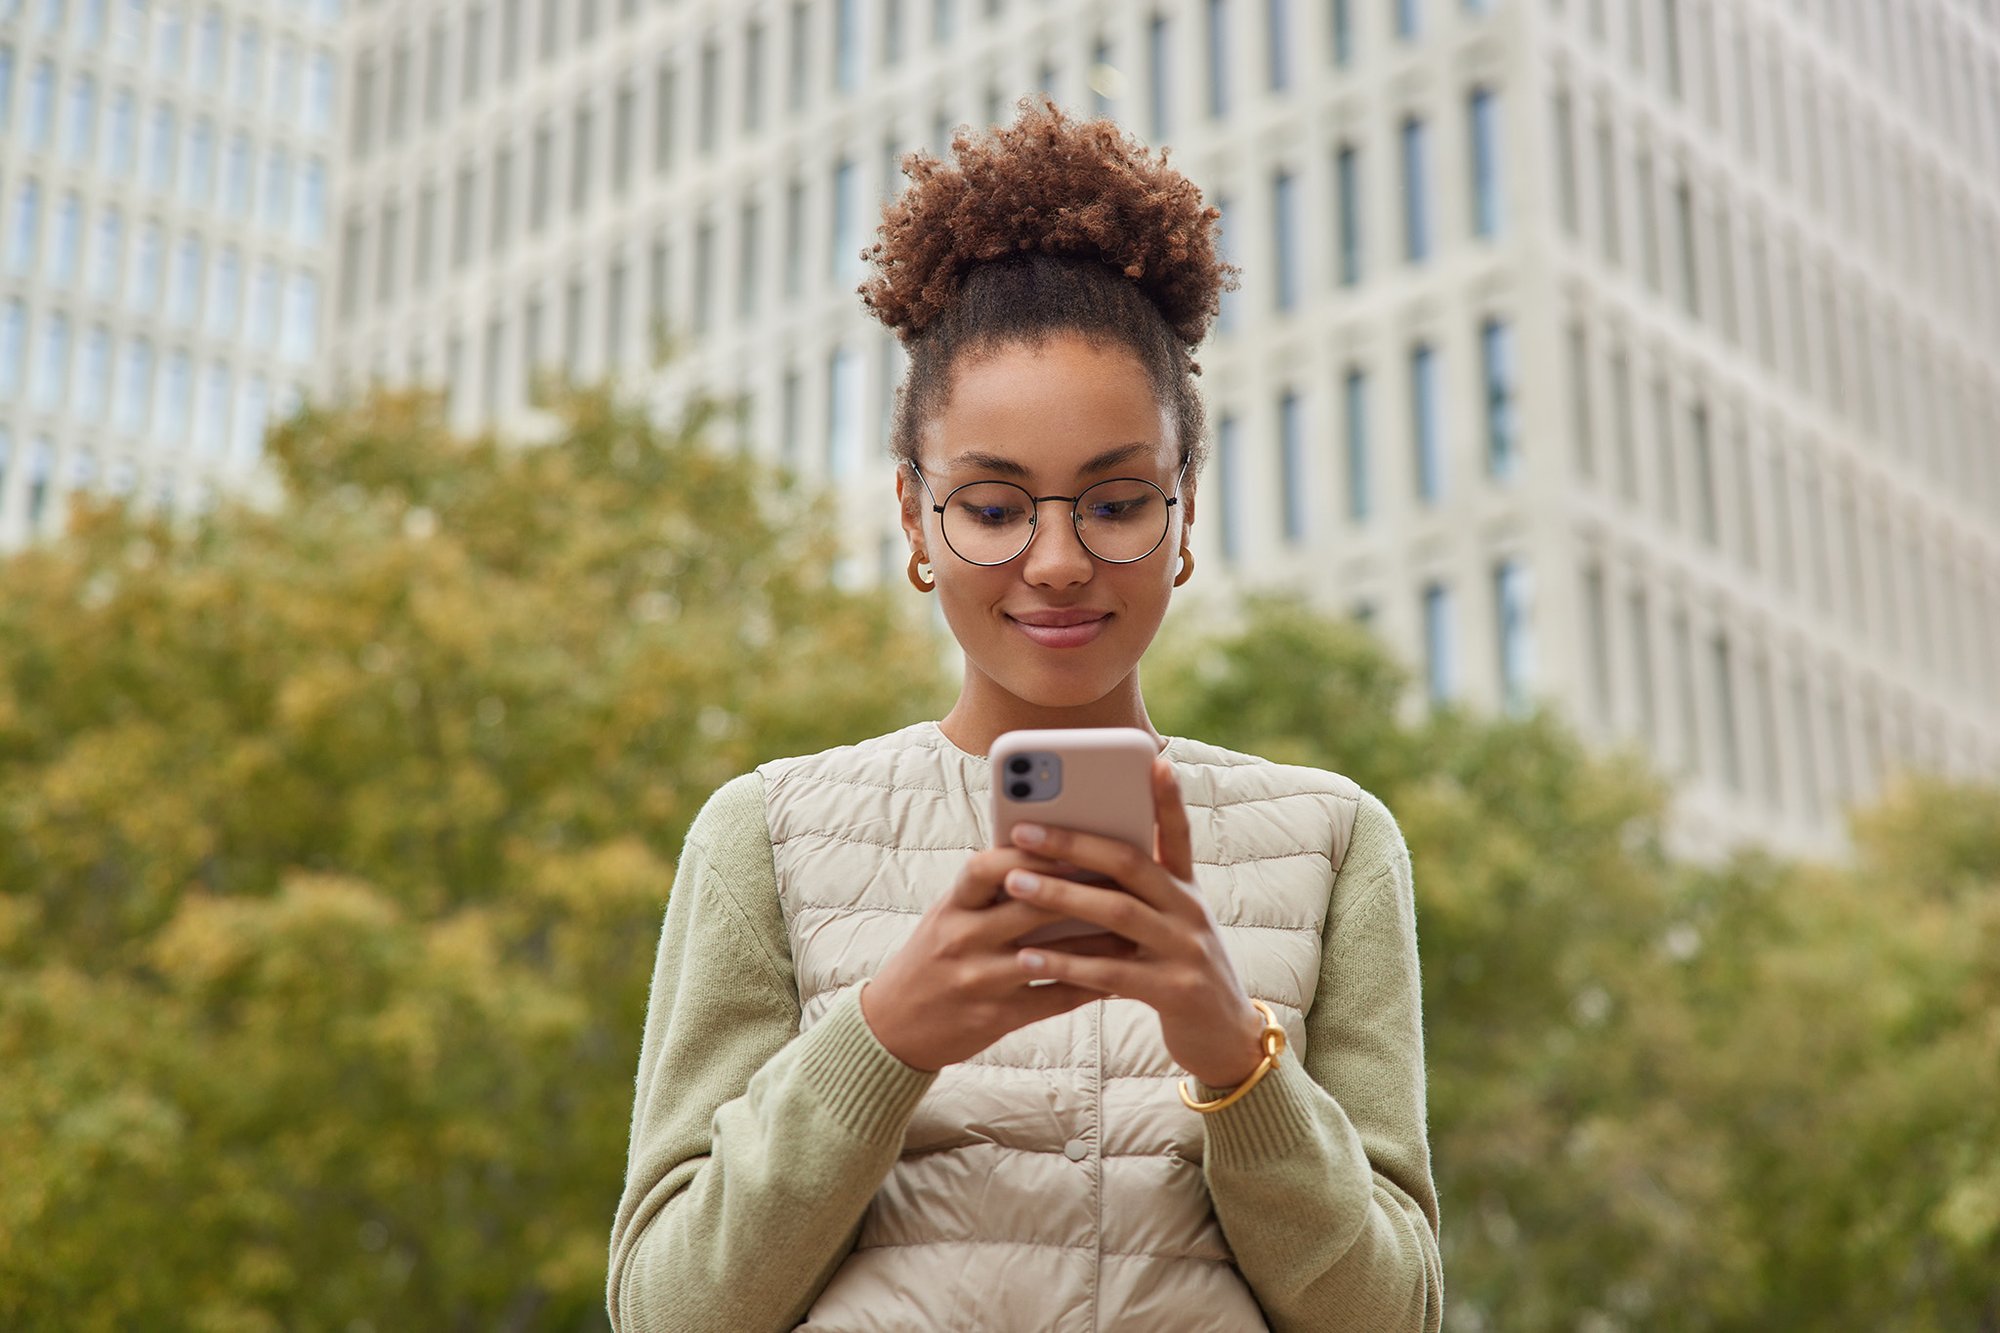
x=1120, y=861
x=1104, y=976
x=1001, y=924
x=1173, y=842
x=1121, y=913
x=978, y=882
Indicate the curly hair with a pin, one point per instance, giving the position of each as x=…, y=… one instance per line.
x=1047, y=226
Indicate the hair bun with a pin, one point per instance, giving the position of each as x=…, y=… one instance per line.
x=1051, y=185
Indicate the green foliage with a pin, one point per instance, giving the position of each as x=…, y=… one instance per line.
x=333, y=846
x=1750, y=1097
x=334, y=838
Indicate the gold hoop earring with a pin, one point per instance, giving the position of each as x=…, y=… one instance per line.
x=1187, y=565
x=923, y=582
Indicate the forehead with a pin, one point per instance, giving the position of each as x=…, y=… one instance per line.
x=1055, y=409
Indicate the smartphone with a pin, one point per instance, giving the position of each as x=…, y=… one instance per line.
x=1091, y=779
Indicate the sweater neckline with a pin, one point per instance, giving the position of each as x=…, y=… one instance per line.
x=1174, y=749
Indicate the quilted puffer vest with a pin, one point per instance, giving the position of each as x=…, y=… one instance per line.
x=1053, y=1181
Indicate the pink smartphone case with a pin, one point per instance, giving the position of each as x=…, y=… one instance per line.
x=1107, y=789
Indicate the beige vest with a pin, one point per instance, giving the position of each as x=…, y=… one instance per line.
x=1053, y=1181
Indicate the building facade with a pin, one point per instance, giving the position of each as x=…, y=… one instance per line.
x=1640, y=356
x=166, y=181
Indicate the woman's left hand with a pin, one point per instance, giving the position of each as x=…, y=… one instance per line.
x=1176, y=962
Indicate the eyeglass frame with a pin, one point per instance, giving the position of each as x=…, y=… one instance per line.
x=1035, y=513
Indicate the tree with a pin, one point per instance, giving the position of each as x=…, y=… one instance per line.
x=334, y=840
x=1758, y=1095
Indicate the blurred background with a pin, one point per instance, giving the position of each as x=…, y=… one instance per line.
x=440, y=443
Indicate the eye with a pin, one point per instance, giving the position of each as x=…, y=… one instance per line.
x=991, y=515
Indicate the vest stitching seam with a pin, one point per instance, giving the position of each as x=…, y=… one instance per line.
x=844, y=909
x=834, y=780
x=837, y=835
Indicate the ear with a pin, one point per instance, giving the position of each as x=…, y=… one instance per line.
x=910, y=507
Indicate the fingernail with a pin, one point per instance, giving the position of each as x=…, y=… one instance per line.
x=1029, y=833
x=1033, y=961
x=1023, y=883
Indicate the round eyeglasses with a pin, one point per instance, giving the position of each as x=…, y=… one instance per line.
x=991, y=522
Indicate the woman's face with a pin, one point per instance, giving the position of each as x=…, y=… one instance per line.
x=1052, y=418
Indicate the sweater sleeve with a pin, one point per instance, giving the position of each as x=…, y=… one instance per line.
x=755, y=1150
x=1321, y=1173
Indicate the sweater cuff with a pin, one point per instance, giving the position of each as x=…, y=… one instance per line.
x=867, y=1090
x=1268, y=1122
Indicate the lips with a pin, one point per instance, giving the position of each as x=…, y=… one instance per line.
x=1069, y=628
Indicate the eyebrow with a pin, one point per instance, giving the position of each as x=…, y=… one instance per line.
x=1112, y=457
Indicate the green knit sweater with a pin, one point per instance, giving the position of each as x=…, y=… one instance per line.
x=755, y=1150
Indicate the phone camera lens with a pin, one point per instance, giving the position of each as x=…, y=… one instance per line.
x=1019, y=764
x=1019, y=791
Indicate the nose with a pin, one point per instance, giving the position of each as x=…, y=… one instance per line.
x=1056, y=556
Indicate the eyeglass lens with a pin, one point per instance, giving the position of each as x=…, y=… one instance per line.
x=991, y=522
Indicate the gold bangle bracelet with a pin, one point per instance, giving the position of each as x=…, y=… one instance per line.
x=1273, y=1041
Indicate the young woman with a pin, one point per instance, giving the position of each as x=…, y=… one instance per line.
x=861, y=1103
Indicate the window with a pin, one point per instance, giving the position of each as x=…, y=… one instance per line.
x=434, y=67
x=68, y=241
x=175, y=400
x=249, y=48
x=1218, y=58
x=1347, y=208
x=388, y=250
x=1278, y=39
x=846, y=46
x=795, y=222
x=422, y=261
x=511, y=24
x=1416, y=211
x=90, y=392
x=1496, y=345
x=706, y=97
x=311, y=220
x=225, y=280
x=1226, y=318
x=665, y=86
x=145, y=289
x=472, y=55
x=502, y=220
x=1440, y=668
x=13, y=347
x=41, y=464
x=52, y=367
x=107, y=252
x=1690, y=274
x=208, y=51
x=1594, y=621
x=198, y=180
x=1292, y=481
x=1343, y=32
x=1426, y=410
x=184, y=291
x=572, y=330
x=236, y=177
x=212, y=418
x=753, y=77
x=1484, y=113
x=624, y=115
x=614, y=315
x=1159, y=56
x=1704, y=476
x=1639, y=615
x=749, y=226
x=464, y=190
x=277, y=189
x=1228, y=476
x=1284, y=229
x=135, y=385
x=582, y=131
x=161, y=131
x=540, y=171
x=1649, y=229
x=252, y=411
x=264, y=297
x=1683, y=651
x=1610, y=225
x=1409, y=19
x=801, y=33
x=944, y=20
x=845, y=257
x=41, y=119
x=1564, y=118
x=892, y=32
x=1513, y=600
x=82, y=118
x=1355, y=413
x=550, y=39
x=843, y=413
x=704, y=276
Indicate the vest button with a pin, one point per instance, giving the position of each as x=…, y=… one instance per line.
x=1076, y=1150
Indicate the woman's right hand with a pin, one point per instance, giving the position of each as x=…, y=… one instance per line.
x=956, y=986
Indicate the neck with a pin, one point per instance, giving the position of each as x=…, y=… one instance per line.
x=985, y=711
